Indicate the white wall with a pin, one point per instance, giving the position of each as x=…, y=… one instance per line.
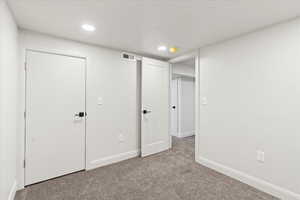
x=187, y=106
x=9, y=75
x=252, y=85
x=184, y=70
x=115, y=81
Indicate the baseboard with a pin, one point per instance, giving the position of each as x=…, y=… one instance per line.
x=112, y=159
x=186, y=134
x=260, y=184
x=13, y=191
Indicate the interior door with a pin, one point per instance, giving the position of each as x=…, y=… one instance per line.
x=155, y=107
x=174, y=109
x=55, y=116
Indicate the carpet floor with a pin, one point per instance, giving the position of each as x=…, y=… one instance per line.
x=170, y=175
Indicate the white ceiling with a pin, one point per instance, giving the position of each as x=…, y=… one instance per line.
x=141, y=25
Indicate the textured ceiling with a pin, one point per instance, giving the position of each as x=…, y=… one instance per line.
x=141, y=25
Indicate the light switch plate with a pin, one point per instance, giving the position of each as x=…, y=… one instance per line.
x=100, y=101
x=204, y=101
x=121, y=138
x=260, y=156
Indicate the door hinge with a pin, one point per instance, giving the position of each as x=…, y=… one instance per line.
x=24, y=114
x=24, y=163
x=25, y=66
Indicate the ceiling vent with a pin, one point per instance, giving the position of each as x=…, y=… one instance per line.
x=128, y=56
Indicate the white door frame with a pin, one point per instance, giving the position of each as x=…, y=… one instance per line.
x=196, y=56
x=25, y=107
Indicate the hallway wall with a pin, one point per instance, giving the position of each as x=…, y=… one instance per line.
x=9, y=82
x=187, y=106
x=183, y=97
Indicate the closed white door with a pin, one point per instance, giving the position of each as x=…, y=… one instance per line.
x=155, y=107
x=174, y=108
x=55, y=116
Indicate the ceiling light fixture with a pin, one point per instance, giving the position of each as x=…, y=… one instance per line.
x=173, y=50
x=162, y=48
x=88, y=27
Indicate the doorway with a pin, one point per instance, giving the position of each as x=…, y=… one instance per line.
x=183, y=99
x=55, y=115
x=184, y=105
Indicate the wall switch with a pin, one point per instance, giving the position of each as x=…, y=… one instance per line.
x=121, y=138
x=260, y=156
x=100, y=101
x=204, y=101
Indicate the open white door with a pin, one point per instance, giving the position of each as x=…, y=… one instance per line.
x=155, y=107
x=174, y=110
x=55, y=116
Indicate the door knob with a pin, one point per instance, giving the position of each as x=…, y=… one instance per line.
x=80, y=114
x=146, y=111
x=174, y=107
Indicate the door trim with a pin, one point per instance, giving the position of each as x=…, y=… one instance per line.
x=25, y=103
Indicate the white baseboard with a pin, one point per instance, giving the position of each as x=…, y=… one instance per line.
x=260, y=184
x=113, y=159
x=13, y=191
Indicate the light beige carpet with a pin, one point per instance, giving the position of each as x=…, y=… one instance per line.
x=171, y=175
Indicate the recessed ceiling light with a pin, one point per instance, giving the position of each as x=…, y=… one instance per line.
x=162, y=48
x=88, y=27
x=173, y=50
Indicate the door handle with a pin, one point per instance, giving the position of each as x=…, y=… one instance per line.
x=146, y=111
x=80, y=114
x=174, y=107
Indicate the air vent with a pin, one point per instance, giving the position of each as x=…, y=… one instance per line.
x=128, y=56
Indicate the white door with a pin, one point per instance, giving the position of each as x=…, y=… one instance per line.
x=55, y=116
x=174, y=107
x=155, y=107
